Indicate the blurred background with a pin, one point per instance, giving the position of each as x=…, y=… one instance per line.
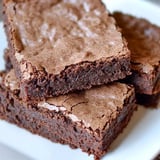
x=156, y=1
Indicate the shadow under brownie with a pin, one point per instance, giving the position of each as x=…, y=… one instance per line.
x=151, y=101
x=89, y=119
x=62, y=46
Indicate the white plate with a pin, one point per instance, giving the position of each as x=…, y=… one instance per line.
x=139, y=141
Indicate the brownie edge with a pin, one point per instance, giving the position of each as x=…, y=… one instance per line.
x=76, y=77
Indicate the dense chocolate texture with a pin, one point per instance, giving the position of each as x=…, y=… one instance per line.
x=62, y=46
x=93, y=118
x=144, y=42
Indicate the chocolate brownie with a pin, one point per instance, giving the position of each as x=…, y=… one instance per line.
x=144, y=43
x=62, y=46
x=89, y=119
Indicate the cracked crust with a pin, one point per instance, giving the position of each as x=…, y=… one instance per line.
x=64, y=60
x=144, y=43
x=94, y=116
x=95, y=35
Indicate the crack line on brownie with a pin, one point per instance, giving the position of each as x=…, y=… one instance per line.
x=72, y=107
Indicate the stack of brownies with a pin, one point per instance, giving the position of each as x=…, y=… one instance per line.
x=61, y=66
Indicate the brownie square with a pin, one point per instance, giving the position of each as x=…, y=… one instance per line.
x=89, y=119
x=58, y=47
x=144, y=43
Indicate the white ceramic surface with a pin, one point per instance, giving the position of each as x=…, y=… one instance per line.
x=7, y=153
x=139, y=141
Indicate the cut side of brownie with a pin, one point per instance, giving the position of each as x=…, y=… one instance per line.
x=151, y=101
x=8, y=64
x=89, y=119
x=58, y=47
x=144, y=43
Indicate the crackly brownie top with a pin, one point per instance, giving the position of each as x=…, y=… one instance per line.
x=143, y=41
x=53, y=34
x=94, y=108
